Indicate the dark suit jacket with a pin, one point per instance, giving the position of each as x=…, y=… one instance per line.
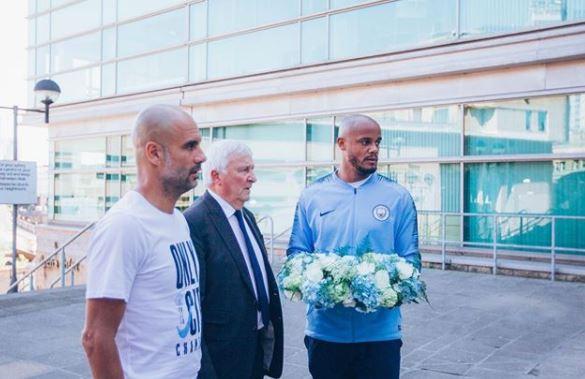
x=228, y=303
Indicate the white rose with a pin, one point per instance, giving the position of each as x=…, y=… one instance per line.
x=365, y=268
x=389, y=297
x=326, y=260
x=314, y=273
x=405, y=270
x=382, y=279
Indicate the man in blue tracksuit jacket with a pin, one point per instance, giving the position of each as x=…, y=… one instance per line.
x=352, y=210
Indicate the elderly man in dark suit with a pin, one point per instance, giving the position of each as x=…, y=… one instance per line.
x=240, y=305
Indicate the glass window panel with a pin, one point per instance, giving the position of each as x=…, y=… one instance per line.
x=270, y=142
x=346, y=3
x=43, y=60
x=114, y=149
x=544, y=125
x=32, y=32
x=113, y=189
x=43, y=5
x=395, y=25
x=254, y=52
x=198, y=27
x=79, y=85
x=275, y=194
x=43, y=28
x=76, y=52
x=109, y=12
x=129, y=182
x=230, y=15
x=131, y=8
x=314, y=6
x=197, y=63
x=525, y=187
x=152, y=33
x=30, y=94
x=31, y=62
x=108, y=44
x=128, y=158
x=32, y=7
x=76, y=18
x=501, y=16
x=419, y=132
x=108, y=79
x=320, y=139
x=80, y=154
x=314, y=173
x=79, y=197
x=314, y=40
x=433, y=187
x=154, y=71
x=58, y=3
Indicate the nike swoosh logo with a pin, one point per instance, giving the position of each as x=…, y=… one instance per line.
x=183, y=332
x=326, y=212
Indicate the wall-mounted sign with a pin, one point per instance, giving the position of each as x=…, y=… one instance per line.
x=18, y=182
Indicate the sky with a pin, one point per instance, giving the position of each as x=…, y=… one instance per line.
x=13, y=66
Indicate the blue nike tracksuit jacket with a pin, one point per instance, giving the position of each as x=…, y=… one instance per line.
x=333, y=216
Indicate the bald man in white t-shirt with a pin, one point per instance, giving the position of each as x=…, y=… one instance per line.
x=143, y=317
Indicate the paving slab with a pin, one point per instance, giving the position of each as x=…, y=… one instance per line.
x=477, y=326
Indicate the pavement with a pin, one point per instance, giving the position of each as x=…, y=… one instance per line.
x=477, y=326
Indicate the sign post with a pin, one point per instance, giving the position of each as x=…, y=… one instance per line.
x=18, y=185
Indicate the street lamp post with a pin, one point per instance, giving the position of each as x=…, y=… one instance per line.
x=48, y=91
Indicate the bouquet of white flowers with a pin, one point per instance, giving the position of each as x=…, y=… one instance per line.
x=367, y=282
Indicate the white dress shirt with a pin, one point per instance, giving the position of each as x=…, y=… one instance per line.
x=229, y=212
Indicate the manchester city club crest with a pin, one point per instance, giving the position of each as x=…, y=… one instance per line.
x=381, y=212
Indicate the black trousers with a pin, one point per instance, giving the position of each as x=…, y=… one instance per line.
x=258, y=370
x=367, y=360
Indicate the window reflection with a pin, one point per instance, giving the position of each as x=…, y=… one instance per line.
x=78, y=154
x=76, y=52
x=152, y=33
x=275, y=194
x=319, y=139
x=314, y=40
x=230, y=15
x=153, y=71
x=391, y=26
x=43, y=28
x=128, y=158
x=545, y=125
x=130, y=8
x=503, y=16
x=419, y=132
x=79, y=197
x=76, y=18
x=269, y=142
x=254, y=52
x=79, y=85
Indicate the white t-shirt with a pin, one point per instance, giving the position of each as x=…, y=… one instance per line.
x=145, y=257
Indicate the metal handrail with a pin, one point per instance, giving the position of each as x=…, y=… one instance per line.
x=50, y=256
x=69, y=270
x=494, y=244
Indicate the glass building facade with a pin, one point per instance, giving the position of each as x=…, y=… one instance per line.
x=514, y=155
x=99, y=48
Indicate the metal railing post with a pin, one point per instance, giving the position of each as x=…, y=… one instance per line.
x=552, y=250
x=443, y=253
x=494, y=243
x=72, y=277
x=31, y=284
x=62, y=267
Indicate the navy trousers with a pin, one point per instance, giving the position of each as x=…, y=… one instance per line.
x=367, y=360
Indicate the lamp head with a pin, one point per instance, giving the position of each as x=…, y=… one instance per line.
x=47, y=91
